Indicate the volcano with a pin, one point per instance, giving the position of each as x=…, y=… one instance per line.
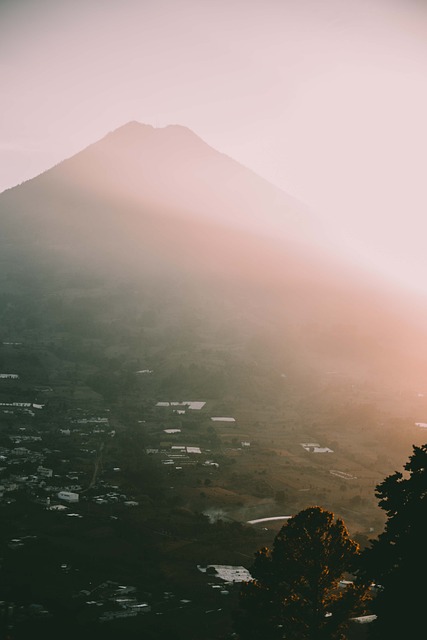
x=161, y=209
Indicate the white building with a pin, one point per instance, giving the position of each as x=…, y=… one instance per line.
x=44, y=472
x=195, y=405
x=68, y=496
x=228, y=573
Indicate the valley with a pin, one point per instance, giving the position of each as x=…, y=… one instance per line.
x=125, y=411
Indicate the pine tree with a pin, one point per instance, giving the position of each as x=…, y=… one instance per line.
x=397, y=560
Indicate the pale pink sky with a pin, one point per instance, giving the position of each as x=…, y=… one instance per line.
x=325, y=99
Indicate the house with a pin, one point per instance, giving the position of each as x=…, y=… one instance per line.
x=195, y=405
x=44, y=472
x=228, y=573
x=314, y=447
x=68, y=496
x=20, y=451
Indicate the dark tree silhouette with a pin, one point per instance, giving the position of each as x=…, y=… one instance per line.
x=295, y=592
x=397, y=560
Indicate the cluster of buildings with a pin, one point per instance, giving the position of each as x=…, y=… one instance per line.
x=47, y=475
x=43, y=463
x=181, y=455
x=115, y=601
x=43, y=472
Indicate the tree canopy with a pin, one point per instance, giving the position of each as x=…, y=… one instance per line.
x=295, y=592
x=399, y=555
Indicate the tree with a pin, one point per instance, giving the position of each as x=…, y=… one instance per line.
x=399, y=555
x=295, y=592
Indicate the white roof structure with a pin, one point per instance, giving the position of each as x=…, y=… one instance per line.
x=222, y=419
x=229, y=573
x=364, y=619
x=314, y=447
x=191, y=404
x=269, y=519
x=68, y=496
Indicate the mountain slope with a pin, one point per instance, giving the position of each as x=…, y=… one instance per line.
x=160, y=207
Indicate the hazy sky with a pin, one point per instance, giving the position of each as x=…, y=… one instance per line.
x=325, y=98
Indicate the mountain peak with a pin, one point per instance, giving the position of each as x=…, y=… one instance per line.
x=171, y=169
x=130, y=131
x=135, y=138
x=140, y=130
